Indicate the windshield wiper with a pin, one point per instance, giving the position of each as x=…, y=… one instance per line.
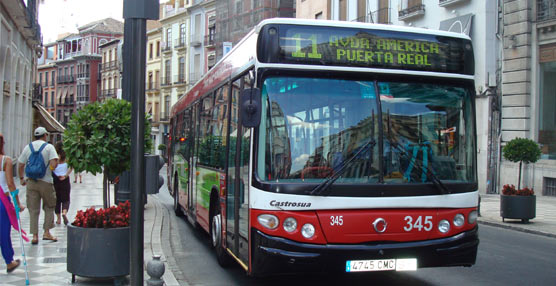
x=325, y=185
x=429, y=173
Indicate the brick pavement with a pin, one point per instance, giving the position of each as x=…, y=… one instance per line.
x=47, y=260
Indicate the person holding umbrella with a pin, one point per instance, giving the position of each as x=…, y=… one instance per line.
x=7, y=209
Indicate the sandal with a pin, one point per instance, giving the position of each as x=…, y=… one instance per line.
x=49, y=237
x=35, y=241
x=65, y=219
x=13, y=267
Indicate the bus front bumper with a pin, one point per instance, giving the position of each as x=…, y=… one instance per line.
x=279, y=255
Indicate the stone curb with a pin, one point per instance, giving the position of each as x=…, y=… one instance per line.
x=155, y=241
x=516, y=228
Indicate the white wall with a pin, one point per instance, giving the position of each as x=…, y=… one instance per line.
x=17, y=65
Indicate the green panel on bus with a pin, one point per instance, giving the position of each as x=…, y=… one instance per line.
x=359, y=47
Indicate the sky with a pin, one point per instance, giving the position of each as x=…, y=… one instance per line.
x=61, y=16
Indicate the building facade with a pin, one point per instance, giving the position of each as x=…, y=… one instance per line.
x=110, y=70
x=77, y=68
x=153, y=98
x=20, y=41
x=477, y=19
x=529, y=89
x=174, y=70
x=234, y=19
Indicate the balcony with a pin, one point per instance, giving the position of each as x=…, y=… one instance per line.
x=83, y=75
x=108, y=93
x=179, y=44
x=165, y=81
x=37, y=92
x=195, y=40
x=546, y=10
x=446, y=3
x=411, y=12
x=66, y=79
x=153, y=85
x=164, y=116
x=380, y=16
x=194, y=77
x=209, y=41
x=108, y=65
x=179, y=79
x=166, y=47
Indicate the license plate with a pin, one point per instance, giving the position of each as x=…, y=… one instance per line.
x=406, y=264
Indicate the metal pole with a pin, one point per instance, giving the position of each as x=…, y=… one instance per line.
x=137, y=12
x=137, y=94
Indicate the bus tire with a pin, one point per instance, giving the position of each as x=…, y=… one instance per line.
x=177, y=208
x=216, y=236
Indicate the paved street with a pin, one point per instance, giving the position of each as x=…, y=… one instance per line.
x=506, y=257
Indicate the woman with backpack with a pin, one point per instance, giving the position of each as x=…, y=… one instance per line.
x=8, y=185
x=62, y=185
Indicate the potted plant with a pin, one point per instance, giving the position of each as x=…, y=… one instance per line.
x=519, y=203
x=98, y=139
x=98, y=242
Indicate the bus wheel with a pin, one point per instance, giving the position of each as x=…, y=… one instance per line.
x=177, y=208
x=216, y=238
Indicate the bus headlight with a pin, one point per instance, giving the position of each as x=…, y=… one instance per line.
x=308, y=230
x=290, y=224
x=444, y=226
x=472, y=217
x=269, y=221
x=459, y=220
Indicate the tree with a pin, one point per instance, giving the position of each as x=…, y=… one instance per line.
x=522, y=150
x=98, y=136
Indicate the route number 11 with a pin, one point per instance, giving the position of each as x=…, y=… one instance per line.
x=299, y=54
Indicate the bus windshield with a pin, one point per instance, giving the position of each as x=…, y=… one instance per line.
x=313, y=129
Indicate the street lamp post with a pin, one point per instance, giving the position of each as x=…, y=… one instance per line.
x=136, y=13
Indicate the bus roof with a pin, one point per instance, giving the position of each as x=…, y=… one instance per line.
x=345, y=24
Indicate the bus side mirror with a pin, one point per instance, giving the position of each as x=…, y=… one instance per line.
x=250, y=107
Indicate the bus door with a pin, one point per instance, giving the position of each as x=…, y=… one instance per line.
x=194, y=131
x=237, y=203
x=188, y=147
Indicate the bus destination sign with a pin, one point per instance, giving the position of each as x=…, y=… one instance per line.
x=358, y=47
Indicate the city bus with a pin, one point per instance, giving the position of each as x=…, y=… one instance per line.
x=332, y=146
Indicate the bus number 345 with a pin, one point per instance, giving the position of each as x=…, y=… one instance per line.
x=336, y=220
x=419, y=224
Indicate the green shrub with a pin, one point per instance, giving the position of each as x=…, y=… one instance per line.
x=99, y=135
x=522, y=150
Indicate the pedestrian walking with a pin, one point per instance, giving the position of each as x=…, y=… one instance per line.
x=7, y=208
x=62, y=185
x=77, y=174
x=35, y=159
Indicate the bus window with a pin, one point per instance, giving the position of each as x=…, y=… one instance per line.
x=425, y=131
x=206, y=139
x=313, y=125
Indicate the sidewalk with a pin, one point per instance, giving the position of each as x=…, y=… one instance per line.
x=543, y=224
x=46, y=262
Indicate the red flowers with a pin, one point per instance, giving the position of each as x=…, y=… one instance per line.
x=104, y=218
x=509, y=190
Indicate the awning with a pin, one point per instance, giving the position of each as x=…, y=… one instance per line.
x=64, y=95
x=41, y=117
x=461, y=24
x=59, y=96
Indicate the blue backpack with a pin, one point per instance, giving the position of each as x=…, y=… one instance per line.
x=35, y=167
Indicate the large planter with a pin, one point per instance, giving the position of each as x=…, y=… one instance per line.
x=518, y=207
x=98, y=252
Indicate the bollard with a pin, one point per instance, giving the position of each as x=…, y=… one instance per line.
x=155, y=269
